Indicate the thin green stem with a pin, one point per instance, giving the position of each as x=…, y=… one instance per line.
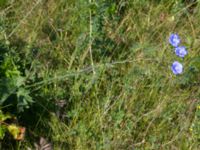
x=90, y=42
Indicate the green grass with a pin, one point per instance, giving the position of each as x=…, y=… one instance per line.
x=110, y=62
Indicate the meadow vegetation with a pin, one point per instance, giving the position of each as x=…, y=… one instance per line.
x=89, y=74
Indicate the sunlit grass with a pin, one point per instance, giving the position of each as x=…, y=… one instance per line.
x=126, y=95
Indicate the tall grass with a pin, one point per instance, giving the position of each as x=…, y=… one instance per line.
x=109, y=63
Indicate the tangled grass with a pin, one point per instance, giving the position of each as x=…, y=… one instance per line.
x=99, y=73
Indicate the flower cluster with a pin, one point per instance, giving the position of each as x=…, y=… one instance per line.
x=180, y=51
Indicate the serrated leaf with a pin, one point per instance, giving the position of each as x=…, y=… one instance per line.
x=24, y=99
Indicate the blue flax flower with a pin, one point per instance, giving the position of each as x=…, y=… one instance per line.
x=181, y=51
x=174, y=40
x=177, y=68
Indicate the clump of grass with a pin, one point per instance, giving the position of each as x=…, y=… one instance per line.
x=99, y=72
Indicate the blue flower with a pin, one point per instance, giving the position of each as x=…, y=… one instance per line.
x=174, y=40
x=177, y=68
x=181, y=51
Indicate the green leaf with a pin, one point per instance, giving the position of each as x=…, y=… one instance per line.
x=2, y=131
x=20, y=81
x=4, y=117
x=24, y=99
